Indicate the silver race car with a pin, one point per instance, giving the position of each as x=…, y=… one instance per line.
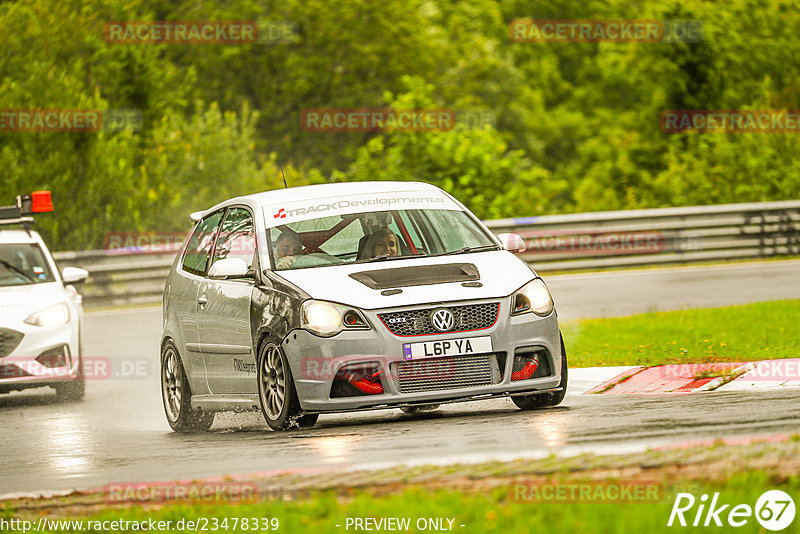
x=344, y=297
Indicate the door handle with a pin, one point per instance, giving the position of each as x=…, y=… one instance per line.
x=202, y=300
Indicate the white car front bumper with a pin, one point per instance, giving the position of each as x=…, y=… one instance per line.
x=42, y=356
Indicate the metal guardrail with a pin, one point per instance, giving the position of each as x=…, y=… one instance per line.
x=116, y=279
x=664, y=236
x=579, y=241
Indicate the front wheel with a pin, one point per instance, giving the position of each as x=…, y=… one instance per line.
x=72, y=391
x=277, y=395
x=543, y=400
x=177, y=396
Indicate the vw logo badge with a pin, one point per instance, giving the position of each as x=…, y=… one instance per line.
x=442, y=320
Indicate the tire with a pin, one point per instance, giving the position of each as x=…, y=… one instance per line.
x=423, y=408
x=74, y=390
x=544, y=400
x=177, y=396
x=277, y=395
x=307, y=420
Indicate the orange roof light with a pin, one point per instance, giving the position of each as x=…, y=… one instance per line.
x=41, y=202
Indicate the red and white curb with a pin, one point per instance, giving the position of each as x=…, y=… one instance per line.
x=686, y=378
x=583, y=379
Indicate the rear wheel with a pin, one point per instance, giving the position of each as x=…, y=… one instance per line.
x=177, y=396
x=543, y=400
x=277, y=395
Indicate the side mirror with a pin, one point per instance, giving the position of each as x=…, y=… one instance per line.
x=229, y=268
x=513, y=243
x=74, y=275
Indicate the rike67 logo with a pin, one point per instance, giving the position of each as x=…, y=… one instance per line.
x=774, y=510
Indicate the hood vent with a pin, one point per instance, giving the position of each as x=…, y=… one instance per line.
x=418, y=276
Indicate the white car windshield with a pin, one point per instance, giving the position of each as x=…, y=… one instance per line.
x=23, y=264
x=375, y=236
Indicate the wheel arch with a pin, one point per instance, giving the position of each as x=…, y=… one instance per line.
x=266, y=335
x=166, y=339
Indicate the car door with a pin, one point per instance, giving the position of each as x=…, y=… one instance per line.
x=224, y=311
x=183, y=291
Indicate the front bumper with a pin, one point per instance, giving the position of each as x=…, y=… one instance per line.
x=20, y=368
x=315, y=361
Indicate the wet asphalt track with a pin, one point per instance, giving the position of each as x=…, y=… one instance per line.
x=119, y=434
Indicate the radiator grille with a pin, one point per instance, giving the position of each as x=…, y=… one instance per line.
x=418, y=322
x=452, y=372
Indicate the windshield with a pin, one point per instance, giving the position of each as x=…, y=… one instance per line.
x=23, y=264
x=375, y=236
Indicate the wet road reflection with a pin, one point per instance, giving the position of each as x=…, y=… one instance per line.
x=119, y=432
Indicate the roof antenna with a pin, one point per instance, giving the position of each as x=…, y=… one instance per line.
x=284, y=176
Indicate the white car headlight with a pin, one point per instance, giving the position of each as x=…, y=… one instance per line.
x=328, y=319
x=52, y=316
x=533, y=297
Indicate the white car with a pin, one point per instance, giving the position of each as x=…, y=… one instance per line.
x=40, y=312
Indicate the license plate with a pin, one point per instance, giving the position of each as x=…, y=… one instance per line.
x=451, y=347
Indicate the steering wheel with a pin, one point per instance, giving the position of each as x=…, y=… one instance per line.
x=315, y=260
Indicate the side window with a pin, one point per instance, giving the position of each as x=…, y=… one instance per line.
x=237, y=238
x=196, y=257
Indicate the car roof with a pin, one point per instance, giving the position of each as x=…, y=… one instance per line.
x=321, y=191
x=8, y=236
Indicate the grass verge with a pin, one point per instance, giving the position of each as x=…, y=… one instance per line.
x=470, y=513
x=491, y=497
x=760, y=331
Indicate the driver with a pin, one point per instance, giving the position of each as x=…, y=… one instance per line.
x=384, y=242
x=287, y=247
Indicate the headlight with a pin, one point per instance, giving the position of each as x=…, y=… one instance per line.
x=328, y=319
x=534, y=297
x=52, y=316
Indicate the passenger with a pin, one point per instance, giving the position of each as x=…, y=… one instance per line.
x=384, y=242
x=287, y=247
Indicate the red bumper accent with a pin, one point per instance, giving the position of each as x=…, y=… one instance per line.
x=526, y=372
x=364, y=385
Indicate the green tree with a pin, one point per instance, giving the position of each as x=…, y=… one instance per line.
x=475, y=165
